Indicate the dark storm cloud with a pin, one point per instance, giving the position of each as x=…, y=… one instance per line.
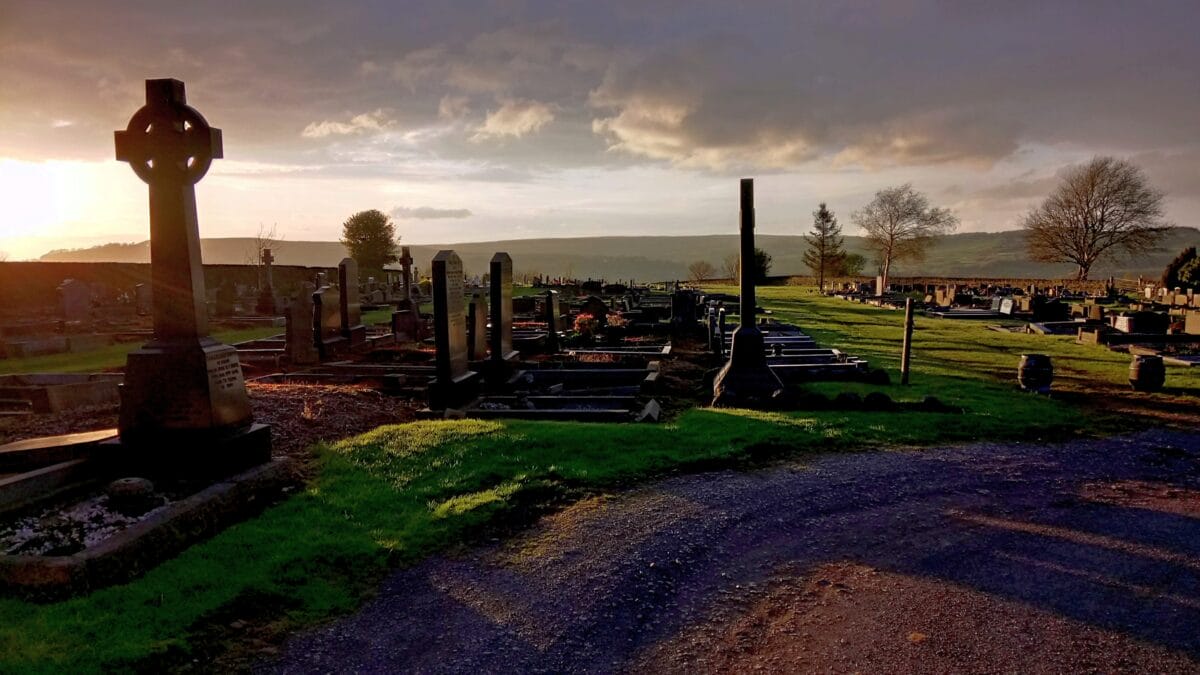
x=532, y=86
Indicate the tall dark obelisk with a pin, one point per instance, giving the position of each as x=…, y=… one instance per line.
x=746, y=380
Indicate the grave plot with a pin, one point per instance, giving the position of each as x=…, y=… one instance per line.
x=187, y=456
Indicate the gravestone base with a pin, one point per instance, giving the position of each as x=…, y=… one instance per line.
x=185, y=387
x=191, y=454
x=746, y=381
x=356, y=337
x=455, y=392
x=498, y=371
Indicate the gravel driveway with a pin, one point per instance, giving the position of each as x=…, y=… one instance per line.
x=1013, y=557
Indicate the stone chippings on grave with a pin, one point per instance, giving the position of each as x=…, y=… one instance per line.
x=349, y=306
x=183, y=392
x=455, y=382
x=746, y=380
x=301, y=341
x=500, y=271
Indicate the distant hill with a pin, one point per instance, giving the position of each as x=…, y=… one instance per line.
x=984, y=254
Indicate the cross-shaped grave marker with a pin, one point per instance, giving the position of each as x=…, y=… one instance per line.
x=183, y=390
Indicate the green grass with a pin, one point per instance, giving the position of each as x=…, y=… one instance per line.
x=398, y=493
x=112, y=356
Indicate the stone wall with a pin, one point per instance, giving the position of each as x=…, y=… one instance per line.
x=30, y=286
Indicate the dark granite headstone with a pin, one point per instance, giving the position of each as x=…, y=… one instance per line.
x=184, y=402
x=143, y=299
x=299, y=340
x=746, y=380
x=502, y=308
x=552, y=314
x=597, y=308
x=406, y=271
x=454, y=381
x=477, y=320
x=327, y=321
x=350, y=308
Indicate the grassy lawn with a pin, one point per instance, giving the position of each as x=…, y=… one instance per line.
x=396, y=494
x=112, y=356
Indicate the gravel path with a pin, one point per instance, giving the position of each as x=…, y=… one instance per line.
x=983, y=558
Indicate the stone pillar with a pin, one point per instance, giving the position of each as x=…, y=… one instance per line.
x=406, y=262
x=552, y=320
x=746, y=380
x=183, y=403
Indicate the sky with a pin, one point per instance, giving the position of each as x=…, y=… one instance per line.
x=479, y=121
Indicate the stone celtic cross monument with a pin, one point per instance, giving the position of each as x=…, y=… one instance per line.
x=183, y=392
x=746, y=380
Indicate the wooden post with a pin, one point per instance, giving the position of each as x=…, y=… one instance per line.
x=905, y=357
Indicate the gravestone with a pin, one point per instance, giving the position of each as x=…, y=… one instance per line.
x=300, y=341
x=351, y=311
x=1007, y=305
x=76, y=299
x=746, y=380
x=143, y=298
x=502, y=308
x=597, y=308
x=327, y=322
x=266, y=294
x=406, y=326
x=454, y=383
x=551, y=317
x=879, y=286
x=183, y=403
x=406, y=270
x=477, y=320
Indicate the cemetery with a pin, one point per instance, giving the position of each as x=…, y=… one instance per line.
x=187, y=451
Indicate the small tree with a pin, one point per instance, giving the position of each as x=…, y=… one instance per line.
x=851, y=265
x=701, y=270
x=370, y=237
x=1102, y=209
x=825, y=245
x=1180, y=270
x=900, y=224
x=762, y=265
x=730, y=266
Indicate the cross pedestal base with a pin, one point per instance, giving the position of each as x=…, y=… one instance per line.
x=181, y=389
x=746, y=381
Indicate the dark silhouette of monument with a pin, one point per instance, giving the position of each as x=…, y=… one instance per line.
x=183, y=403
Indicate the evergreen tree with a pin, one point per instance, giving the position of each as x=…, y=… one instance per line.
x=825, y=254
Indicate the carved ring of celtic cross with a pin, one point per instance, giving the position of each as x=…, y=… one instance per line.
x=167, y=140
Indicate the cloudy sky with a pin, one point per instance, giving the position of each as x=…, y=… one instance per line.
x=515, y=119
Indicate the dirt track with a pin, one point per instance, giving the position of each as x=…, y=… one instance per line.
x=985, y=558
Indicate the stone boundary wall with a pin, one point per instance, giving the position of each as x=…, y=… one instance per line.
x=27, y=287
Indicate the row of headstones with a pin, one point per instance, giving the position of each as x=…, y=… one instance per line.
x=77, y=302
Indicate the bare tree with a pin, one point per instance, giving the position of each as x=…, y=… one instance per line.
x=267, y=237
x=900, y=224
x=1102, y=209
x=730, y=266
x=701, y=270
x=3, y=256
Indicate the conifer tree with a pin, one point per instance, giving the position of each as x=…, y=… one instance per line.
x=825, y=253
